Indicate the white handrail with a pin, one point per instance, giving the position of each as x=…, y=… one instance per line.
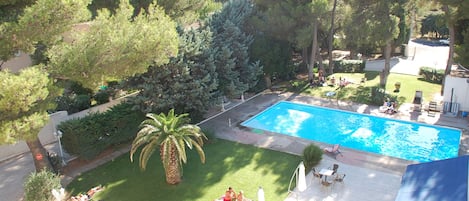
x=295, y=175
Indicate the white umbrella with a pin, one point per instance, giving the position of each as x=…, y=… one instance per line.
x=301, y=182
x=260, y=194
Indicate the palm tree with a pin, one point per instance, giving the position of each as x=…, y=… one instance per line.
x=172, y=134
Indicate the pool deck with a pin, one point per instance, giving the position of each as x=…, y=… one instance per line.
x=369, y=176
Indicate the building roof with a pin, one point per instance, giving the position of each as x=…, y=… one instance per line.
x=443, y=180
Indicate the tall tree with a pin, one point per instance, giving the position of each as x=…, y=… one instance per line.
x=275, y=57
x=116, y=46
x=171, y=134
x=379, y=21
x=319, y=11
x=455, y=11
x=236, y=72
x=331, y=37
x=24, y=101
x=187, y=82
x=44, y=21
x=298, y=22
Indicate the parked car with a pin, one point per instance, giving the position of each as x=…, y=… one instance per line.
x=444, y=41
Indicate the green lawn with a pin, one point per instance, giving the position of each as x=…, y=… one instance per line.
x=353, y=92
x=242, y=167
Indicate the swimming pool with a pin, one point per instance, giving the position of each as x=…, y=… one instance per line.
x=390, y=137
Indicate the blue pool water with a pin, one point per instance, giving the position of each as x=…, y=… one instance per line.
x=390, y=137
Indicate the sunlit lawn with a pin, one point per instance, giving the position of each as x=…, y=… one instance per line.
x=409, y=84
x=243, y=167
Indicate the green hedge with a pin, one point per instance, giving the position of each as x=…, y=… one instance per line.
x=432, y=75
x=87, y=137
x=347, y=66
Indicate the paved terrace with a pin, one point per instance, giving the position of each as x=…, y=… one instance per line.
x=369, y=176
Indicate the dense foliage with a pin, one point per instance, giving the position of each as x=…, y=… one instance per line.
x=187, y=83
x=349, y=66
x=89, y=136
x=236, y=72
x=432, y=75
x=24, y=101
x=116, y=46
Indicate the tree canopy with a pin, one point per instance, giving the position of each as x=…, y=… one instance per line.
x=187, y=83
x=44, y=21
x=24, y=101
x=236, y=72
x=116, y=46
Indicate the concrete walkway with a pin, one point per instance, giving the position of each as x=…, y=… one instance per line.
x=419, y=56
x=14, y=172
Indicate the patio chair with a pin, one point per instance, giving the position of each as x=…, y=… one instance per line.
x=326, y=183
x=418, y=101
x=335, y=167
x=339, y=177
x=316, y=173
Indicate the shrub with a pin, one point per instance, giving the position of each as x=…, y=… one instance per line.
x=432, y=75
x=102, y=97
x=378, y=95
x=89, y=136
x=73, y=103
x=82, y=102
x=347, y=66
x=77, y=88
x=38, y=186
x=312, y=155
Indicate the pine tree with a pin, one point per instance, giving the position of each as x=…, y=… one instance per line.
x=24, y=101
x=187, y=83
x=236, y=73
x=116, y=46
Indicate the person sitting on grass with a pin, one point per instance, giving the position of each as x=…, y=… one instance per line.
x=241, y=197
x=230, y=195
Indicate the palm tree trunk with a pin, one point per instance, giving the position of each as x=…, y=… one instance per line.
x=41, y=160
x=172, y=167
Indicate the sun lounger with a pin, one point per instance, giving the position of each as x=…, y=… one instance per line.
x=333, y=150
x=418, y=101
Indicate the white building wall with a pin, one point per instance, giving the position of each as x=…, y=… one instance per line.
x=457, y=91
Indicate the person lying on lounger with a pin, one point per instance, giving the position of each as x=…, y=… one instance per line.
x=334, y=149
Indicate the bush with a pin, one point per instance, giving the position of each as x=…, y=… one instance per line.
x=347, y=66
x=102, y=97
x=378, y=95
x=312, y=155
x=38, y=186
x=89, y=136
x=432, y=75
x=82, y=102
